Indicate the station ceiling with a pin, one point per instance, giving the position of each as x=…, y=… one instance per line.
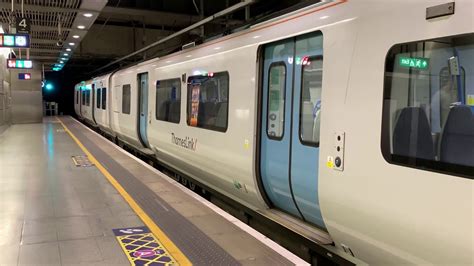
x=93, y=33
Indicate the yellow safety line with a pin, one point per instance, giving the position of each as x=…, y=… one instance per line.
x=174, y=251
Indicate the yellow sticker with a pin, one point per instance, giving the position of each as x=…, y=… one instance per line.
x=470, y=100
x=246, y=144
x=330, y=162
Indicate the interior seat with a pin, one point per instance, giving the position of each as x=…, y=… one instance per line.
x=457, y=141
x=412, y=135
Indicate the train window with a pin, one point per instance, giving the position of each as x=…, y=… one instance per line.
x=428, y=108
x=276, y=100
x=104, y=98
x=208, y=101
x=83, y=97
x=310, y=103
x=126, y=99
x=98, y=96
x=168, y=100
x=88, y=97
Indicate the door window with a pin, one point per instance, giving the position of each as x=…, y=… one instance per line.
x=310, y=105
x=276, y=100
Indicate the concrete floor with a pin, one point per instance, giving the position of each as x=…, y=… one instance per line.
x=52, y=212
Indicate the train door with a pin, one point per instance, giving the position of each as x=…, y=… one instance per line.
x=93, y=102
x=289, y=146
x=143, y=107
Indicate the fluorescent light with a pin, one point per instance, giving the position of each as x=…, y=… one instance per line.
x=81, y=27
x=188, y=56
x=217, y=48
x=66, y=54
x=87, y=15
x=256, y=37
x=62, y=58
x=62, y=62
x=72, y=44
x=75, y=36
x=324, y=17
x=68, y=49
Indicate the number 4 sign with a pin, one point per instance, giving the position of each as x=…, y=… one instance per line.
x=23, y=25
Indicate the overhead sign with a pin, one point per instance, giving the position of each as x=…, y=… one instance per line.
x=15, y=40
x=23, y=25
x=19, y=63
x=24, y=76
x=414, y=62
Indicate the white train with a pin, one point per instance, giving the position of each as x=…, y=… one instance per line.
x=350, y=121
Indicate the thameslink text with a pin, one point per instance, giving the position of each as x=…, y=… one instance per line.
x=187, y=143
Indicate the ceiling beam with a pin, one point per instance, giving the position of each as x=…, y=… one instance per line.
x=42, y=8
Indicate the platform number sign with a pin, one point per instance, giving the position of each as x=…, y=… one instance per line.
x=23, y=25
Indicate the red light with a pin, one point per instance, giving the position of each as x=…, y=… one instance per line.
x=210, y=74
x=305, y=61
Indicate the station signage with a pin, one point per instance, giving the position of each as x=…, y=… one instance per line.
x=414, y=62
x=24, y=76
x=14, y=40
x=19, y=63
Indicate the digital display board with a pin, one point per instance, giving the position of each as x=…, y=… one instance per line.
x=414, y=62
x=24, y=76
x=19, y=63
x=15, y=40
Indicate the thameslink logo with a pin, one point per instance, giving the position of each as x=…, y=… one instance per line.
x=187, y=143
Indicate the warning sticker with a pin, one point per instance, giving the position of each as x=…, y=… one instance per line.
x=142, y=247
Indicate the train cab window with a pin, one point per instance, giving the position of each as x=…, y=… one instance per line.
x=168, y=100
x=276, y=100
x=104, y=98
x=310, y=104
x=126, y=99
x=98, y=96
x=208, y=101
x=428, y=108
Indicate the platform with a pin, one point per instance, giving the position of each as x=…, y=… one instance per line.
x=69, y=196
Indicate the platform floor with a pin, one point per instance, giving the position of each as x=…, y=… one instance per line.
x=53, y=212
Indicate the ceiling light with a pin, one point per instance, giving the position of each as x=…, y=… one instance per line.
x=87, y=15
x=68, y=49
x=76, y=36
x=62, y=58
x=188, y=56
x=256, y=37
x=62, y=62
x=169, y=61
x=81, y=27
x=217, y=48
x=66, y=54
x=72, y=44
x=324, y=17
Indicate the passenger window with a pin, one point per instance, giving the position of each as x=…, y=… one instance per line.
x=428, y=106
x=168, y=100
x=88, y=97
x=276, y=100
x=98, y=95
x=104, y=98
x=83, y=97
x=208, y=102
x=126, y=99
x=310, y=104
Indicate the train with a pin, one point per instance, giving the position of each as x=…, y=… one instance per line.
x=349, y=119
